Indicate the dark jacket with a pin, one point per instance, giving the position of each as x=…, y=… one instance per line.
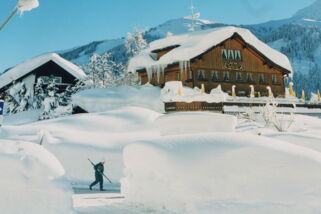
x=99, y=169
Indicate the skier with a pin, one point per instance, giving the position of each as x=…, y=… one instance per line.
x=99, y=170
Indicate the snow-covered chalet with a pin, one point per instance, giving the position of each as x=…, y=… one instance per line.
x=223, y=56
x=46, y=67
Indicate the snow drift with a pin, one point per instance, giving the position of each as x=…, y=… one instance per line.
x=222, y=173
x=75, y=138
x=32, y=180
x=195, y=122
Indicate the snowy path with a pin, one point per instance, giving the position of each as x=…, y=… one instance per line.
x=95, y=201
x=87, y=201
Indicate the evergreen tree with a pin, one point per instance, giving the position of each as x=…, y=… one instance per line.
x=39, y=94
x=51, y=102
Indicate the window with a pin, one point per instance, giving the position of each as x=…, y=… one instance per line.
x=231, y=54
x=274, y=79
x=201, y=75
x=261, y=79
x=239, y=77
x=190, y=73
x=237, y=55
x=166, y=77
x=214, y=76
x=178, y=76
x=249, y=77
x=47, y=80
x=57, y=80
x=226, y=76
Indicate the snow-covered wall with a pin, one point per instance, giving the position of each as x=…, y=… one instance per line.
x=231, y=173
x=103, y=99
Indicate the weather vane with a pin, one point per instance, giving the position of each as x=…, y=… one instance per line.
x=192, y=17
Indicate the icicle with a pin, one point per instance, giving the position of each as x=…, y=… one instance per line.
x=155, y=69
x=184, y=65
x=149, y=71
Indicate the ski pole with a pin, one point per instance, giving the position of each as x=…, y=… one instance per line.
x=100, y=172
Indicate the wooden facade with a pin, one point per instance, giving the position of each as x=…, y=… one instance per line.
x=232, y=62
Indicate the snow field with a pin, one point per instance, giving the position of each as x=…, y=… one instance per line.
x=32, y=180
x=189, y=170
x=200, y=173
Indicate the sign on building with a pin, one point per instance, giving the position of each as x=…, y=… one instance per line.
x=1, y=111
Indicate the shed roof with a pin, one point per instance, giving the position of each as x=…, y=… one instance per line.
x=28, y=66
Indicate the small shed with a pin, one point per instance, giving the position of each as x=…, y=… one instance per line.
x=45, y=67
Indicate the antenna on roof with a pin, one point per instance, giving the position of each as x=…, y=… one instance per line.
x=192, y=17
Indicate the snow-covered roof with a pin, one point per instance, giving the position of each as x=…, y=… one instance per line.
x=28, y=66
x=191, y=45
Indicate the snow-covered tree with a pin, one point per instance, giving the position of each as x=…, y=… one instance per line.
x=135, y=43
x=50, y=103
x=103, y=72
x=39, y=94
x=17, y=98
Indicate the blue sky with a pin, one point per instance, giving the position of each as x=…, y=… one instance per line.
x=63, y=24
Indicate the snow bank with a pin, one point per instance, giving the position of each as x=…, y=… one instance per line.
x=174, y=91
x=195, y=122
x=219, y=173
x=32, y=180
x=104, y=99
x=20, y=118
